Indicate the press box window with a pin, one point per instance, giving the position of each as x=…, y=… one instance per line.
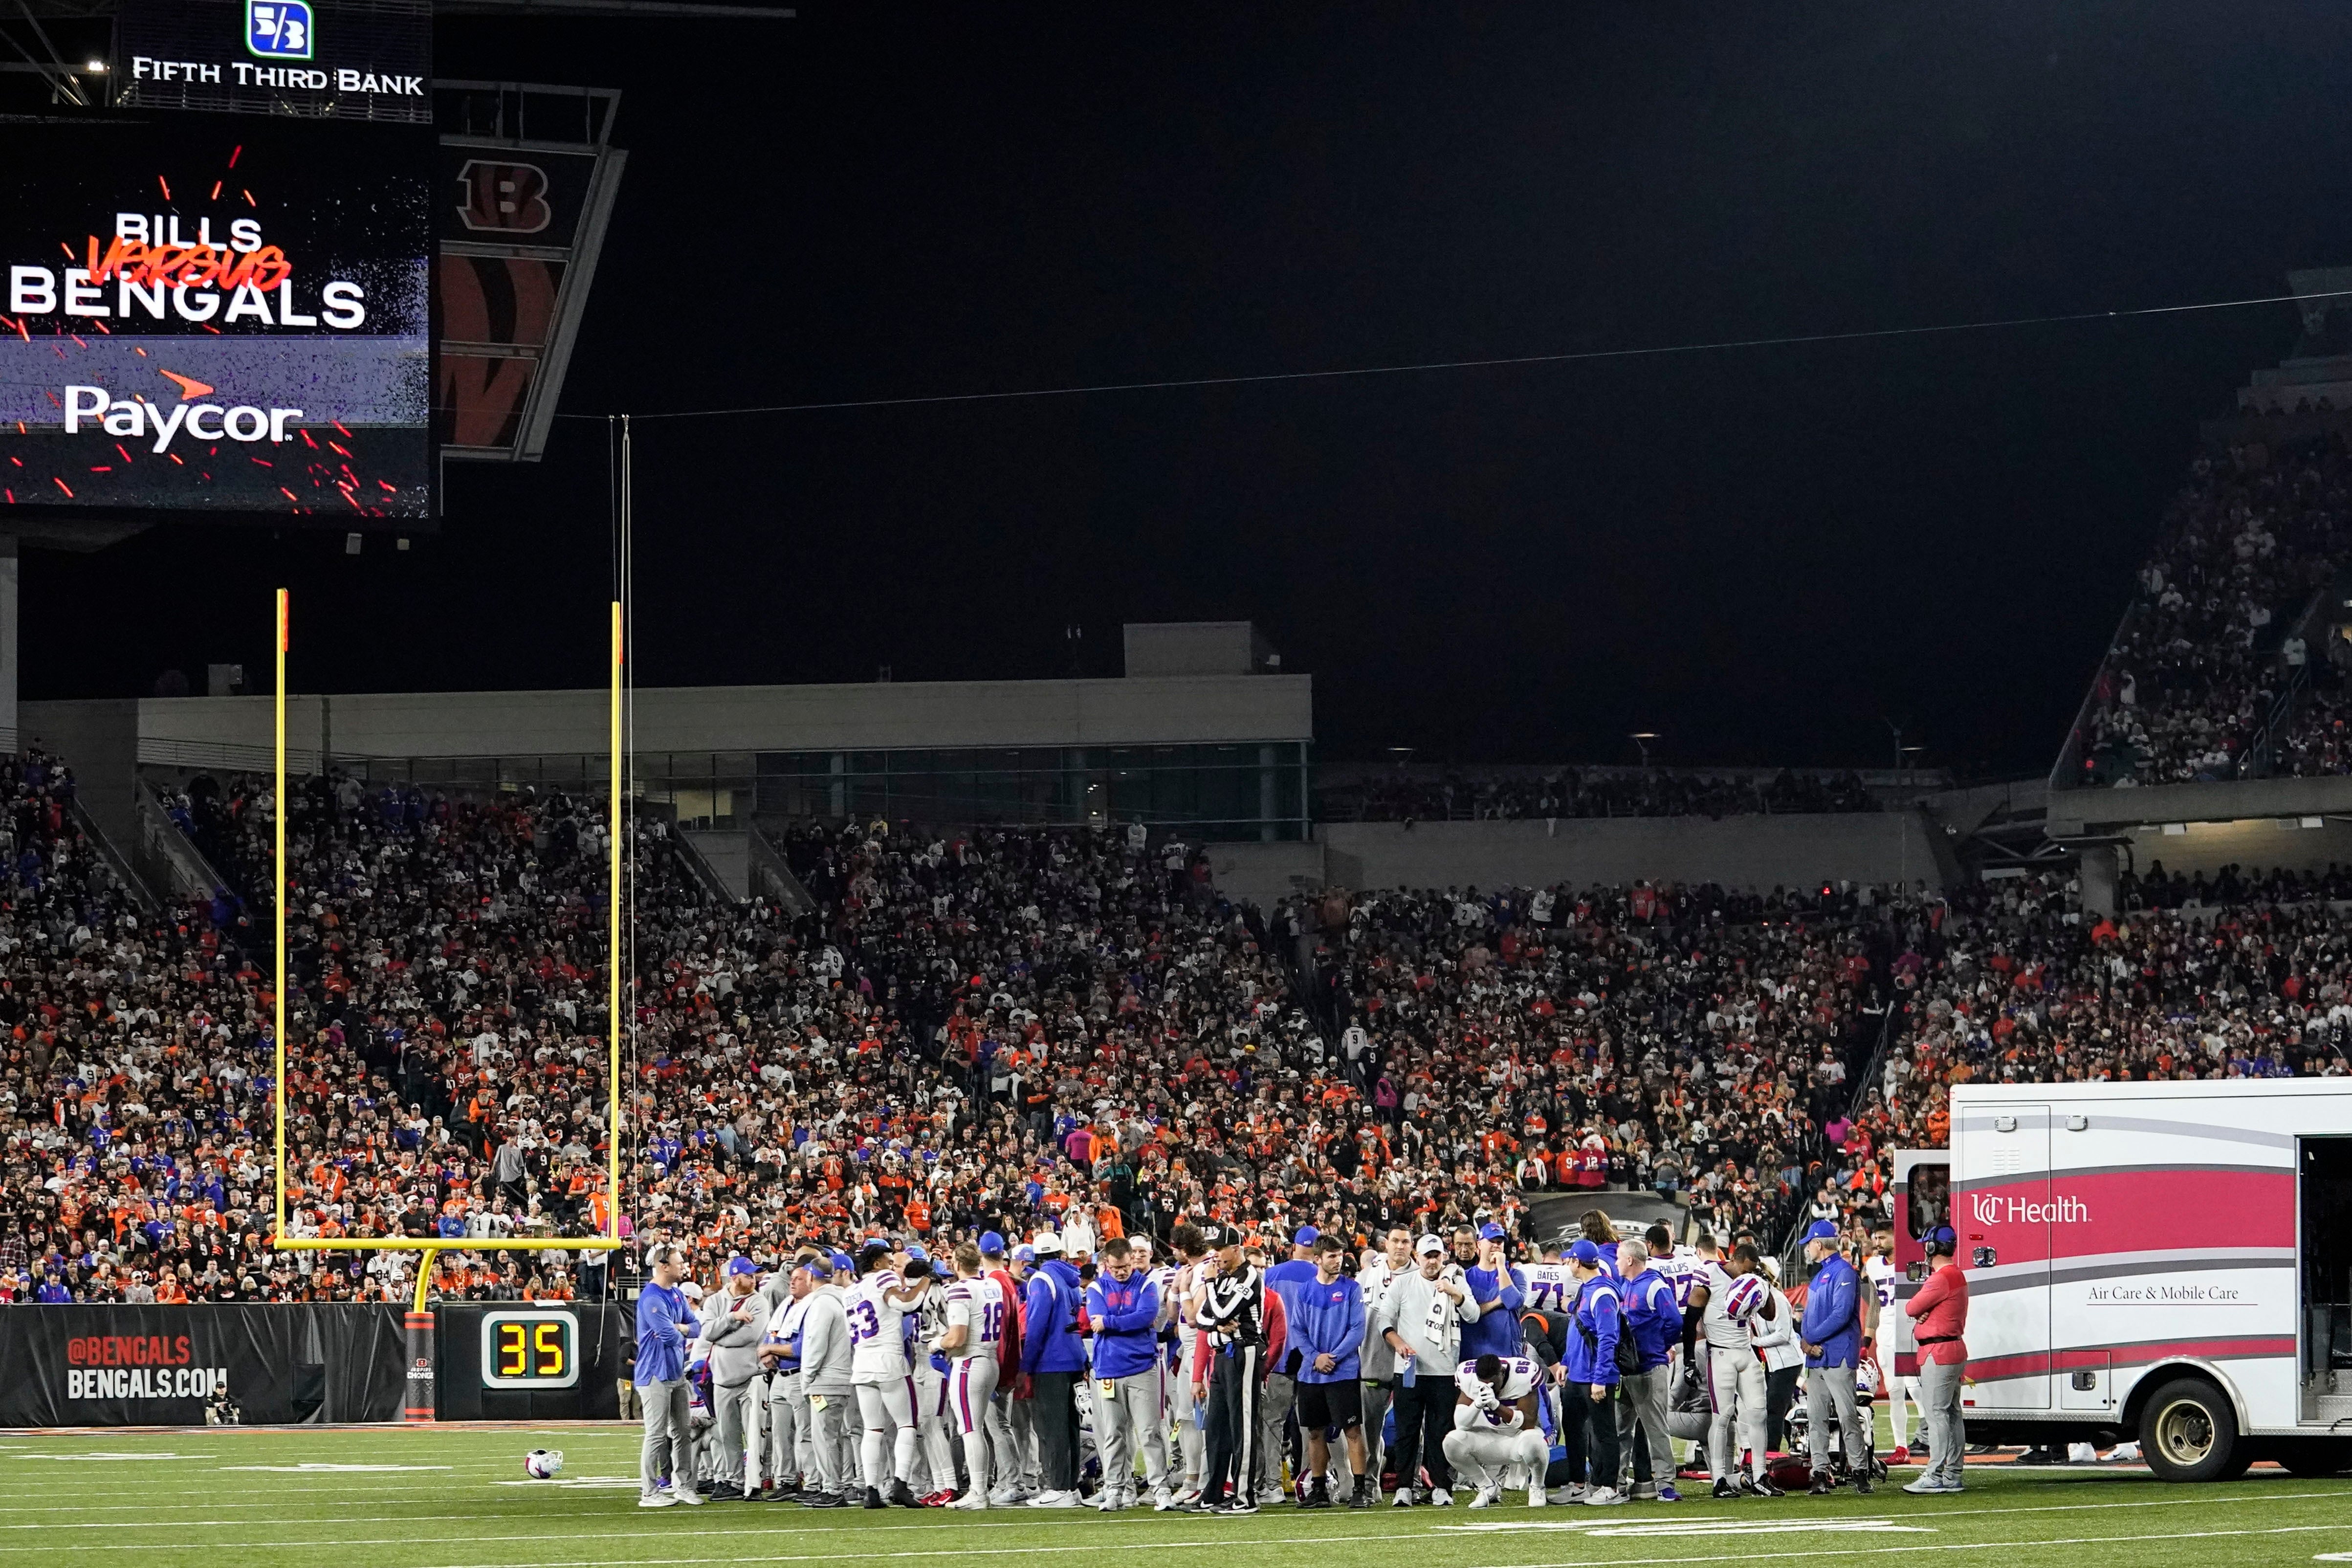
x=530, y=1349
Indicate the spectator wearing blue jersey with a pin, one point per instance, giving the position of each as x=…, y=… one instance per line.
x=1654, y=1318
x=1588, y=1415
x=1499, y=1291
x=665, y=1323
x=1326, y=1319
x=1832, y=1335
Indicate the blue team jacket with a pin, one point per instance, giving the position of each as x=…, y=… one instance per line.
x=1834, y=1315
x=1049, y=1320
x=1497, y=1331
x=663, y=1318
x=1592, y=1338
x=1652, y=1315
x=1126, y=1342
x=1325, y=1320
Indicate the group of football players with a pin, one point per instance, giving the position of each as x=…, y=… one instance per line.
x=1183, y=1375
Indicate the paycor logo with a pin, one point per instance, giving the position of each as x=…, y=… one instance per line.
x=1993, y=1208
x=138, y=418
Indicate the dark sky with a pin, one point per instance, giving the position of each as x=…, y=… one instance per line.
x=1760, y=554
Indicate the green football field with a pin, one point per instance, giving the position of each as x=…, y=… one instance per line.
x=402, y=1497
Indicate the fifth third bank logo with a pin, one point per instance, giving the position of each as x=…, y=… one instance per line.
x=279, y=29
x=1993, y=1208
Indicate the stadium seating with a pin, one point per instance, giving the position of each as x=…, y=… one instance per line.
x=2207, y=677
x=1474, y=794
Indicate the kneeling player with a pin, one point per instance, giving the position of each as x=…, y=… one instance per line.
x=1496, y=1426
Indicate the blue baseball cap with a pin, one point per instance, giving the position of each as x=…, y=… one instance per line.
x=1490, y=1231
x=991, y=1244
x=819, y=1267
x=1585, y=1252
x=1308, y=1237
x=1943, y=1239
x=915, y=1252
x=840, y=1261
x=741, y=1266
x=1822, y=1230
x=1024, y=1253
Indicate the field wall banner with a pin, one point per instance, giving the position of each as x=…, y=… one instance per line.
x=187, y=1365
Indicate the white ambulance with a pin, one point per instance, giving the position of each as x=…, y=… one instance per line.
x=2165, y=1261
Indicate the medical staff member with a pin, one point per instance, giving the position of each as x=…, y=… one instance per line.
x=1939, y=1315
x=1654, y=1317
x=665, y=1323
x=1589, y=1393
x=1832, y=1336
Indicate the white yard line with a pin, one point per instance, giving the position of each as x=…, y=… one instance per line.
x=1645, y=1557
x=1614, y=1523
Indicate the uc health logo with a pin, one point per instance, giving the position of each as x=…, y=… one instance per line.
x=1997, y=1208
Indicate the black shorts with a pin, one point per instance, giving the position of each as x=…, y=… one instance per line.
x=1322, y=1405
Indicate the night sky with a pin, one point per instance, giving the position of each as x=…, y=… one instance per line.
x=1762, y=555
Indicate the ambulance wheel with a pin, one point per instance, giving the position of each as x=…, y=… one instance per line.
x=2188, y=1432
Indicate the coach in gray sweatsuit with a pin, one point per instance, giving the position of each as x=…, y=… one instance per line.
x=734, y=1320
x=824, y=1378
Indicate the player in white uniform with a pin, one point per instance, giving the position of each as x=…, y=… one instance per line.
x=1551, y=1286
x=933, y=1431
x=1496, y=1426
x=1736, y=1294
x=878, y=1372
x=1176, y=1296
x=1902, y=1392
x=972, y=1339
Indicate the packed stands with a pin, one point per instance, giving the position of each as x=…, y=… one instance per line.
x=2245, y=975
x=999, y=1028
x=1429, y=794
x=2211, y=675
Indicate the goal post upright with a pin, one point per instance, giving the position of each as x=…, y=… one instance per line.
x=616, y=836
x=430, y=1247
x=278, y=903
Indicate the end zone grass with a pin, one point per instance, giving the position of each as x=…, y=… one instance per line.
x=402, y=1497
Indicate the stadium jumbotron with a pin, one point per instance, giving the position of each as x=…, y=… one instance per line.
x=1326, y=765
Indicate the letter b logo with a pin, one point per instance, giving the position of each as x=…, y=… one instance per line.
x=503, y=198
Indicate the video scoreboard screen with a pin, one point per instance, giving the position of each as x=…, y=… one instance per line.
x=218, y=313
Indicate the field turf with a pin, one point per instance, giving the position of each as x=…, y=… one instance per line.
x=456, y=1498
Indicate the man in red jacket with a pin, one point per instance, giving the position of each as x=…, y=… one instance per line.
x=1940, y=1315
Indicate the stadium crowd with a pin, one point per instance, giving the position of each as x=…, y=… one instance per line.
x=1474, y=795
x=2210, y=643
x=2247, y=975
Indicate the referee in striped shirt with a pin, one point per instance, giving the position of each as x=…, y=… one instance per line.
x=1229, y=1306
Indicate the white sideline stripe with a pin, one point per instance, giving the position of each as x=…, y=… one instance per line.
x=1435, y=1534
x=1327, y=1540
x=1881, y=1551
x=1023, y=1518
x=1699, y=1524
x=1021, y=1515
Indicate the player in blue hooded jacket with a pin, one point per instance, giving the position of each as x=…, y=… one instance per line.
x=1130, y=1382
x=1054, y=1357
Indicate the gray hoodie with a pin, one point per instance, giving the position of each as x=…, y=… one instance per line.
x=734, y=1346
x=824, y=1344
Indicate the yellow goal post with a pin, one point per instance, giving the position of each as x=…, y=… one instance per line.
x=432, y=1246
